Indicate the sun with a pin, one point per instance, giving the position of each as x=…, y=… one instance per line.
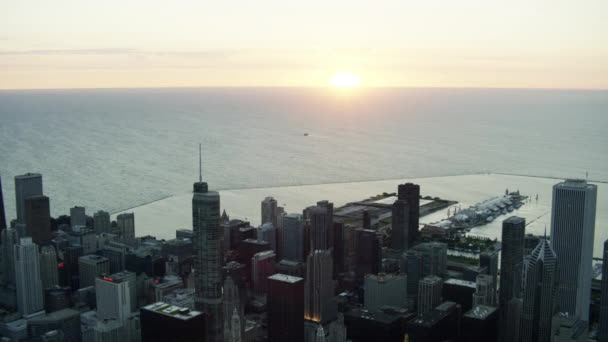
x=344, y=79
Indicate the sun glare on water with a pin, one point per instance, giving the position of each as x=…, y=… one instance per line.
x=344, y=79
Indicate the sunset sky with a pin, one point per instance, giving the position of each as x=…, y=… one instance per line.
x=136, y=43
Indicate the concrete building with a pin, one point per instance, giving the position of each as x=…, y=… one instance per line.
x=38, y=219
x=232, y=303
x=162, y=322
x=434, y=258
x=66, y=322
x=208, y=258
x=459, y=291
x=384, y=290
x=268, y=232
x=262, y=266
x=319, y=301
x=27, y=185
x=101, y=222
x=27, y=275
x=293, y=237
x=429, y=293
x=489, y=260
x=113, y=298
x=126, y=227
x=78, y=217
x=484, y=292
x=10, y=237
x=90, y=267
x=480, y=324
x=572, y=232
x=131, y=279
x=269, y=211
x=539, y=294
x=48, y=267
x=511, y=268
x=285, y=308
x=567, y=328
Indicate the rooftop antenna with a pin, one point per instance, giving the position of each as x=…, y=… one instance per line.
x=200, y=163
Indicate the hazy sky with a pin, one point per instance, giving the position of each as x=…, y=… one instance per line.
x=462, y=43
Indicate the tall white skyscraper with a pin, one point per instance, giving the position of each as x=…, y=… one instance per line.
x=27, y=276
x=29, y=184
x=113, y=298
x=572, y=232
x=208, y=257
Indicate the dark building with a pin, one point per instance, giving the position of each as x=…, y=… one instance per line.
x=410, y=193
x=290, y=267
x=329, y=207
x=438, y=325
x=480, y=324
x=368, y=256
x=367, y=220
x=363, y=325
x=247, y=249
x=459, y=291
x=400, y=225
x=38, y=219
x=232, y=233
x=511, y=268
x=602, y=335
x=68, y=269
x=489, y=260
x=161, y=322
x=338, y=248
x=319, y=224
x=57, y=298
x=151, y=265
x=184, y=234
x=285, y=308
x=66, y=321
x=2, y=212
x=413, y=266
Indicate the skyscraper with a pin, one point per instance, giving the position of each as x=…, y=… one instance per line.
x=29, y=184
x=602, y=335
x=511, y=268
x=484, y=294
x=10, y=237
x=113, y=298
x=489, y=260
x=78, y=217
x=262, y=266
x=429, y=293
x=400, y=225
x=329, y=207
x=539, y=295
x=232, y=303
x=368, y=255
x=269, y=211
x=319, y=302
x=285, y=308
x=319, y=221
x=101, y=222
x=48, y=266
x=434, y=257
x=572, y=232
x=267, y=232
x=235, y=331
x=384, y=290
x=293, y=237
x=90, y=267
x=126, y=226
x=27, y=275
x=162, y=322
x=208, y=256
x=410, y=193
x=38, y=219
x=414, y=267
x=2, y=212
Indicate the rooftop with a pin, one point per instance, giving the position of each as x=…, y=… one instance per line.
x=285, y=278
x=460, y=282
x=480, y=312
x=174, y=311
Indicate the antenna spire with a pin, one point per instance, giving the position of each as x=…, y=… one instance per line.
x=200, y=163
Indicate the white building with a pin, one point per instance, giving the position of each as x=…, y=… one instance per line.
x=27, y=273
x=113, y=298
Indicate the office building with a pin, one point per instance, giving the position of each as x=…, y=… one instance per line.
x=27, y=185
x=285, y=308
x=437, y=325
x=38, y=219
x=434, y=258
x=567, y=328
x=165, y=322
x=459, y=291
x=49, y=275
x=70, y=267
x=368, y=253
x=66, y=322
x=489, y=260
x=484, y=291
x=57, y=298
x=410, y=193
x=413, y=269
x=386, y=326
x=480, y=324
x=400, y=225
x=90, y=267
x=101, y=222
x=602, y=335
x=262, y=266
x=267, y=232
x=429, y=293
x=293, y=237
x=78, y=217
x=208, y=258
x=319, y=223
x=511, y=268
x=384, y=290
x=319, y=302
x=129, y=278
x=113, y=298
x=232, y=303
x=269, y=211
x=10, y=237
x=539, y=293
x=27, y=276
x=126, y=227
x=572, y=232
x=181, y=297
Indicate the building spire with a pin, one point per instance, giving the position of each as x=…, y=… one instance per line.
x=200, y=163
